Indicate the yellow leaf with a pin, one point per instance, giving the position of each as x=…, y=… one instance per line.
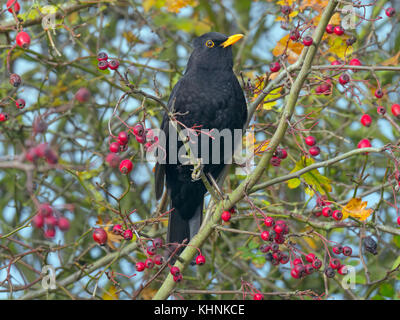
x=177, y=5
x=293, y=49
x=338, y=46
x=393, y=61
x=148, y=4
x=285, y=2
x=111, y=293
x=274, y=94
x=259, y=148
x=148, y=293
x=356, y=208
x=318, y=5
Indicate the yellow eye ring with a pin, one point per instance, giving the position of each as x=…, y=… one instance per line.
x=209, y=44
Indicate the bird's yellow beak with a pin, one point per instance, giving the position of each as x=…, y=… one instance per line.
x=232, y=39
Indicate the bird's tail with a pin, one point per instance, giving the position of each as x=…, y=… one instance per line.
x=180, y=228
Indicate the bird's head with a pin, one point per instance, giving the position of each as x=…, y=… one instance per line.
x=212, y=51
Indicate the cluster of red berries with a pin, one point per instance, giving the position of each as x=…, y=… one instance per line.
x=279, y=154
x=324, y=88
x=276, y=236
x=311, y=142
x=104, y=63
x=324, y=209
x=227, y=214
x=10, y=7
x=45, y=219
x=338, y=30
x=126, y=233
x=42, y=151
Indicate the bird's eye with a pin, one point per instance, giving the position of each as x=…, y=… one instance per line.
x=210, y=43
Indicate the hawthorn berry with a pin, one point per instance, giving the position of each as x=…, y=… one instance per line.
x=381, y=110
x=275, y=161
x=297, y=261
x=308, y=41
x=364, y=143
x=138, y=130
x=310, y=257
x=337, y=215
x=15, y=80
x=378, y=93
x=82, y=95
x=330, y=272
x=344, y=78
x=366, y=120
x=123, y=138
x=343, y=270
x=390, y=12
x=128, y=235
x=149, y=263
x=334, y=263
x=23, y=39
x=16, y=7
x=338, y=30
x=200, y=260
x=309, y=269
x=338, y=249
x=314, y=151
x=113, y=64
x=327, y=212
x=275, y=66
x=151, y=250
x=3, y=117
x=63, y=224
x=396, y=110
x=102, y=56
x=281, y=153
x=294, y=35
x=125, y=166
x=370, y=245
x=20, y=103
x=310, y=141
x=398, y=220
x=295, y=273
x=158, y=242
x=269, y=221
x=347, y=251
x=258, y=296
x=158, y=259
x=100, y=236
x=175, y=271
x=178, y=278
x=317, y=213
x=50, y=221
x=286, y=10
x=329, y=28
x=117, y=229
x=274, y=247
x=114, y=147
x=45, y=209
x=50, y=233
x=112, y=159
x=39, y=125
x=226, y=216
x=265, y=235
x=317, y=263
x=38, y=221
x=140, y=139
x=102, y=65
x=300, y=270
x=140, y=266
x=284, y=258
x=336, y=63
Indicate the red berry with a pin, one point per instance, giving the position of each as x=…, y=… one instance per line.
x=269, y=221
x=343, y=270
x=258, y=296
x=114, y=147
x=398, y=220
x=10, y=7
x=334, y=263
x=82, y=95
x=3, y=117
x=347, y=251
x=175, y=271
x=317, y=213
x=15, y=80
x=366, y=120
x=45, y=209
x=317, y=264
x=123, y=138
x=381, y=110
x=364, y=143
x=138, y=130
x=20, y=103
x=158, y=242
x=396, y=110
x=275, y=66
x=149, y=263
x=265, y=235
x=344, y=78
x=378, y=93
x=309, y=269
x=337, y=249
x=286, y=10
x=338, y=30
x=178, y=278
x=279, y=228
x=275, y=161
x=102, y=56
x=102, y=65
x=314, y=151
x=158, y=259
x=337, y=215
x=308, y=41
x=294, y=35
x=113, y=160
x=336, y=63
x=140, y=266
x=151, y=250
x=297, y=261
x=226, y=216
x=38, y=221
x=117, y=229
x=63, y=224
x=310, y=257
x=329, y=28
x=355, y=62
x=23, y=39
x=294, y=273
x=327, y=212
x=113, y=64
x=125, y=166
x=390, y=12
x=50, y=233
x=128, y=235
x=100, y=236
x=310, y=141
x=281, y=153
x=200, y=260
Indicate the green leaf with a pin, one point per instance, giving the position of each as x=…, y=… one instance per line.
x=386, y=290
x=254, y=244
x=396, y=240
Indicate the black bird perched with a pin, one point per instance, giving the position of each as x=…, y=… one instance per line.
x=208, y=95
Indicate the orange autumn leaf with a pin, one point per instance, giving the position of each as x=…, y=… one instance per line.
x=111, y=237
x=177, y=5
x=111, y=293
x=318, y=5
x=356, y=208
x=293, y=49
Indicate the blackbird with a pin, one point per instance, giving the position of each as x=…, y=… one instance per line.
x=208, y=96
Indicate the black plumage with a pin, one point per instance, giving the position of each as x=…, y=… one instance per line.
x=208, y=95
